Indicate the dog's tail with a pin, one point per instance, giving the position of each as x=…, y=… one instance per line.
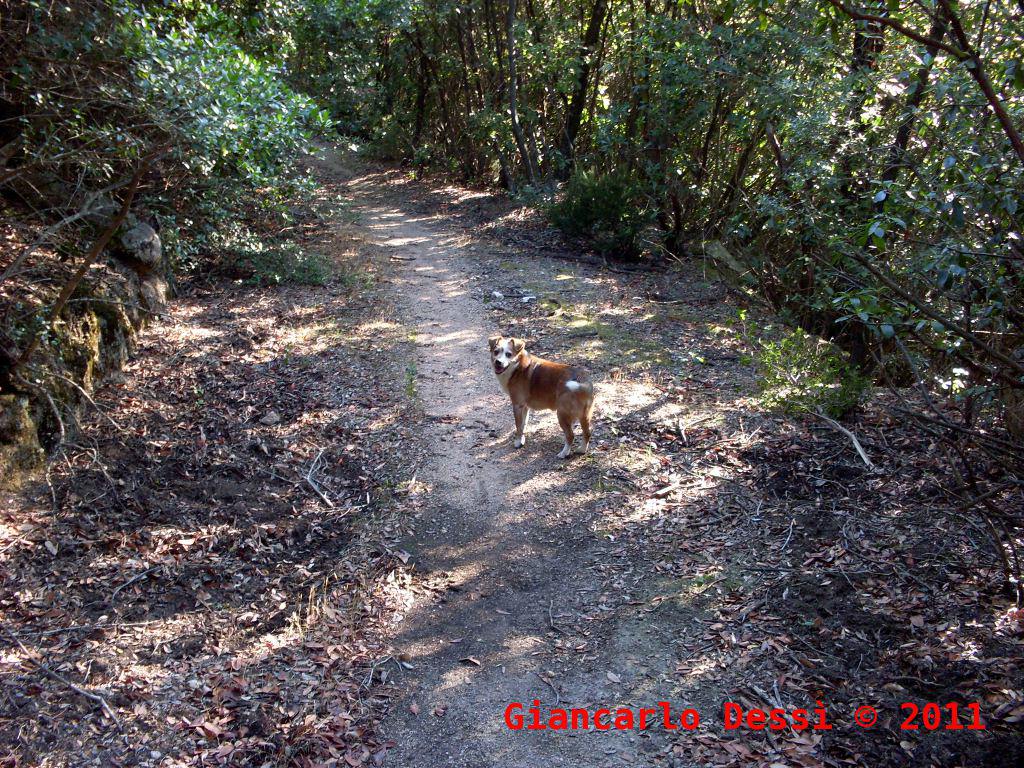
x=575, y=386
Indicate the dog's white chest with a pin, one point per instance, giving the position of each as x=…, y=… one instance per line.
x=504, y=377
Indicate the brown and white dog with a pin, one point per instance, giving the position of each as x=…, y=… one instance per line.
x=536, y=384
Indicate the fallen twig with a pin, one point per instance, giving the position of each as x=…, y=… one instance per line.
x=856, y=443
x=558, y=696
x=308, y=477
x=95, y=697
x=792, y=522
x=132, y=580
x=551, y=619
x=373, y=670
x=89, y=399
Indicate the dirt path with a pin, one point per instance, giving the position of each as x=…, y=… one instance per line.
x=708, y=551
x=505, y=556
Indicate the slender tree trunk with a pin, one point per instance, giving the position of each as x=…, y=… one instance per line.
x=512, y=88
x=960, y=48
x=578, y=99
x=980, y=75
x=730, y=199
x=596, y=87
x=474, y=58
x=867, y=46
x=897, y=152
x=422, y=86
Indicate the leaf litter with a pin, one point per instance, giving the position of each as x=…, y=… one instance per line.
x=217, y=572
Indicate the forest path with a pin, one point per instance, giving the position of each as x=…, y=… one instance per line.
x=516, y=594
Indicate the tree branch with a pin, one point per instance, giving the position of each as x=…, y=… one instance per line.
x=93, y=254
x=903, y=29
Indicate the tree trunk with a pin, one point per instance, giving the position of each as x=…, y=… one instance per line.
x=578, y=99
x=867, y=46
x=512, y=88
x=898, y=150
x=422, y=86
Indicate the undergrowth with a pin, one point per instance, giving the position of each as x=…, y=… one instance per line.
x=801, y=373
x=608, y=210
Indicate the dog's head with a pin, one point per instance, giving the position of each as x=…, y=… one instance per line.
x=505, y=352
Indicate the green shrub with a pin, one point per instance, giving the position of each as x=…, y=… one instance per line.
x=801, y=373
x=609, y=210
x=234, y=117
x=248, y=255
x=288, y=263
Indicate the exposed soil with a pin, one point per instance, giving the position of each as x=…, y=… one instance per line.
x=312, y=543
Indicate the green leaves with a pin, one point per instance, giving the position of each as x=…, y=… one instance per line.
x=801, y=373
x=609, y=210
x=236, y=117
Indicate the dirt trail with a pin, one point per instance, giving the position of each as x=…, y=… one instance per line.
x=506, y=557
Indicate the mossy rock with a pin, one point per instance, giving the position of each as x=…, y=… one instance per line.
x=19, y=442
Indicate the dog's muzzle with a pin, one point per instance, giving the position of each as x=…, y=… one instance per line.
x=499, y=368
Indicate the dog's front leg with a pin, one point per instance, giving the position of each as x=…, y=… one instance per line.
x=522, y=414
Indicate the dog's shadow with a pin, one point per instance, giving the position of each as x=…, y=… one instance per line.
x=541, y=449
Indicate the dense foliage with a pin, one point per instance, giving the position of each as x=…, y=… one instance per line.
x=93, y=91
x=863, y=163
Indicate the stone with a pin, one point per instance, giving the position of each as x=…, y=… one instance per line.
x=154, y=292
x=19, y=441
x=143, y=244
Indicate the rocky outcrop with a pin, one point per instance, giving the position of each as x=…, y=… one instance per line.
x=92, y=338
x=19, y=440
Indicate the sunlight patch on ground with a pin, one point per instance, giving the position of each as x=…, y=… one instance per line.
x=398, y=242
x=375, y=330
x=535, y=485
x=618, y=397
x=467, y=336
x=463, y=195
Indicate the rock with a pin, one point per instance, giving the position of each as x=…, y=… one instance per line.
x=154, y=292
x=19, y=440
x=271, y=418
x=717, y=252
x=143, y=244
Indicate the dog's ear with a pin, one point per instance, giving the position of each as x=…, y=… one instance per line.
x=518, y=345
x=493, y=342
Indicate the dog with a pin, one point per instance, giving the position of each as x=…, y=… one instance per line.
x=536, y=384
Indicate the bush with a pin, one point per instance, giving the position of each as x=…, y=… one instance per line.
x=233, y=116
x=252, y=257
x=609, y=210
x=802, y=373
x=124, y=81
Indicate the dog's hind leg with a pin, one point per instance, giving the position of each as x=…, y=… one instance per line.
x=585, y=429
x=565, y=422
